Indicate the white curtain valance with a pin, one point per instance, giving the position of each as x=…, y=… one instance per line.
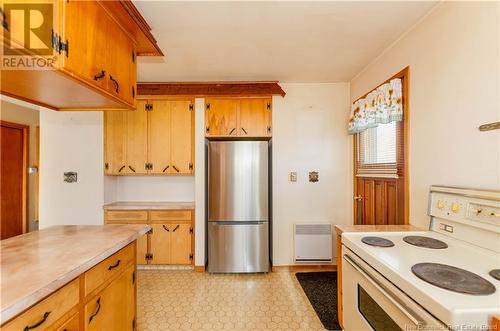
x=382, y=105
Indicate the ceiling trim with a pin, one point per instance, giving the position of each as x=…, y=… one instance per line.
x=200, y=89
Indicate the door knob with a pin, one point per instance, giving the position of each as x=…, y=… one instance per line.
x=358, y=198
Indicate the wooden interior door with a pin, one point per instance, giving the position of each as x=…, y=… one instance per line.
x=255, y=117
x=160, y=136
x=181, y=244
x=13, y=178
x=161, y=243
x=115, y=142
x=137, y=140
x=182, y=136
x=221, y=117
x=86, y=24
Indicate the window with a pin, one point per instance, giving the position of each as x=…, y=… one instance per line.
x=377, y=150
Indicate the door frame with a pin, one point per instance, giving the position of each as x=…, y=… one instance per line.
x=404, y=75
x=26, y=132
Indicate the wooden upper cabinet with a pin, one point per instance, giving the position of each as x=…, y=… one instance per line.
x=137, y=140
x=221, y=117
x=159, y=137
x=238, y=117
x=182, y=136
x=115, y=142
x=255, y=117
x=96, y=44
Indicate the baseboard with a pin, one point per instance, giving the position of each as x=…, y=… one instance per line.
x=199, y=268
x=305, y=267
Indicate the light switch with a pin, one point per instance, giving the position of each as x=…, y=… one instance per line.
x=293, y=176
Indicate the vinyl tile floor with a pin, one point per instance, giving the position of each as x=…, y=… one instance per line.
x=188, y=300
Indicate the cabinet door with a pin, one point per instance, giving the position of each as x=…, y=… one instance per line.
x=115, y=147
x=160, y=243
x=221, y=117
x=181, y=244
x=121, y=64
x=85, y=25
x=137, y=139
x=159, y=137
x=255, y=117
x=114, y=307
x=142, y=249
x=182, y=136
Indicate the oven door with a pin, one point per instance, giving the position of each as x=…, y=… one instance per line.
x=371, y=302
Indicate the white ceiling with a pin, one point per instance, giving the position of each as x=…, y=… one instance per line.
x=285, y=41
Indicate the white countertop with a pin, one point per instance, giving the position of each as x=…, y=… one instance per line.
x=155, y=205
x=36, y=264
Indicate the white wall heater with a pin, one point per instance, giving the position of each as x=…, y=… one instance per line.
x=313, y=242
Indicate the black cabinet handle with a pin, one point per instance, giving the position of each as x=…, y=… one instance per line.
x=130, y=167
x=114, y=265
x=175, y=168
x=117, y=86
x=123, y=167
x=176, y=228
x=101, y=75
x=97, y=310
x=165, y=169
x=165, y=228
x=37, y=324
x=245, y=131
x=5, y=25
x=231, y=132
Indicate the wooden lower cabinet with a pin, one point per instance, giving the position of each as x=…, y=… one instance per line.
x=340, y=310
x=170, y=240
x=99, y=299
x=114, y=307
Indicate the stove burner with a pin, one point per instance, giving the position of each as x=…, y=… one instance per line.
x=426, y=242
x=377, y=241
x=453, y=279
x=495, y=273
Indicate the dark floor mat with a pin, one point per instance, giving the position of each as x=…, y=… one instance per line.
x=321, y=290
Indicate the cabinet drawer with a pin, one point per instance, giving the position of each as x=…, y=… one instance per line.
x=170, y=215
x=71, y=324
x=126, y=215
x=108, y=268
x=48, y=311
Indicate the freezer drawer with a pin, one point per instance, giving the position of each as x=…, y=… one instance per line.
x=241, y=247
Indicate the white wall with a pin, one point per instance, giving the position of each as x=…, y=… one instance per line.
x=149, y=188
x=71, y=141
x=17, y=113
x=309, y=134
x=453, y=55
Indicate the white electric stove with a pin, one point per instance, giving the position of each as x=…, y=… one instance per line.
x=444, y=278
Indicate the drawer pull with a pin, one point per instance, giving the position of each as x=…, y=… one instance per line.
x=101, y=75
x=175, y=168
x=176, y=228
x=45, y=316
x=123, y=167
x=117, y=86
x=165, y=169
x=97, y=310
x=231, y=132
x=133, y=170
x=245, y=131
x=165, y=228
x=114, y=265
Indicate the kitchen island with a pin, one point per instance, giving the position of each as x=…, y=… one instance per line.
x=70, y=277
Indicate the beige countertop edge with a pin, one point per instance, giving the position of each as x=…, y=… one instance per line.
x=150, y=205
x=37, y=296
x=376, y=228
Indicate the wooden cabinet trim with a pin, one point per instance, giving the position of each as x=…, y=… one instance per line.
x=170, y=215
x=126, y=215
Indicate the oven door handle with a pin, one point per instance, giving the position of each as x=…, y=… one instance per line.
x=382, y=290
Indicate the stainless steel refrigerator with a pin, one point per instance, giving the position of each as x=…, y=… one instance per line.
x=238, y=206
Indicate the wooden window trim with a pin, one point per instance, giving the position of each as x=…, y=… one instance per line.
x=403, y=163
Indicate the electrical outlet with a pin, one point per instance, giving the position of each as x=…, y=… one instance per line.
x=293, y=176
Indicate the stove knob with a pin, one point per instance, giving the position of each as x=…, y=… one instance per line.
x=455, y=207
x=440, y=204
